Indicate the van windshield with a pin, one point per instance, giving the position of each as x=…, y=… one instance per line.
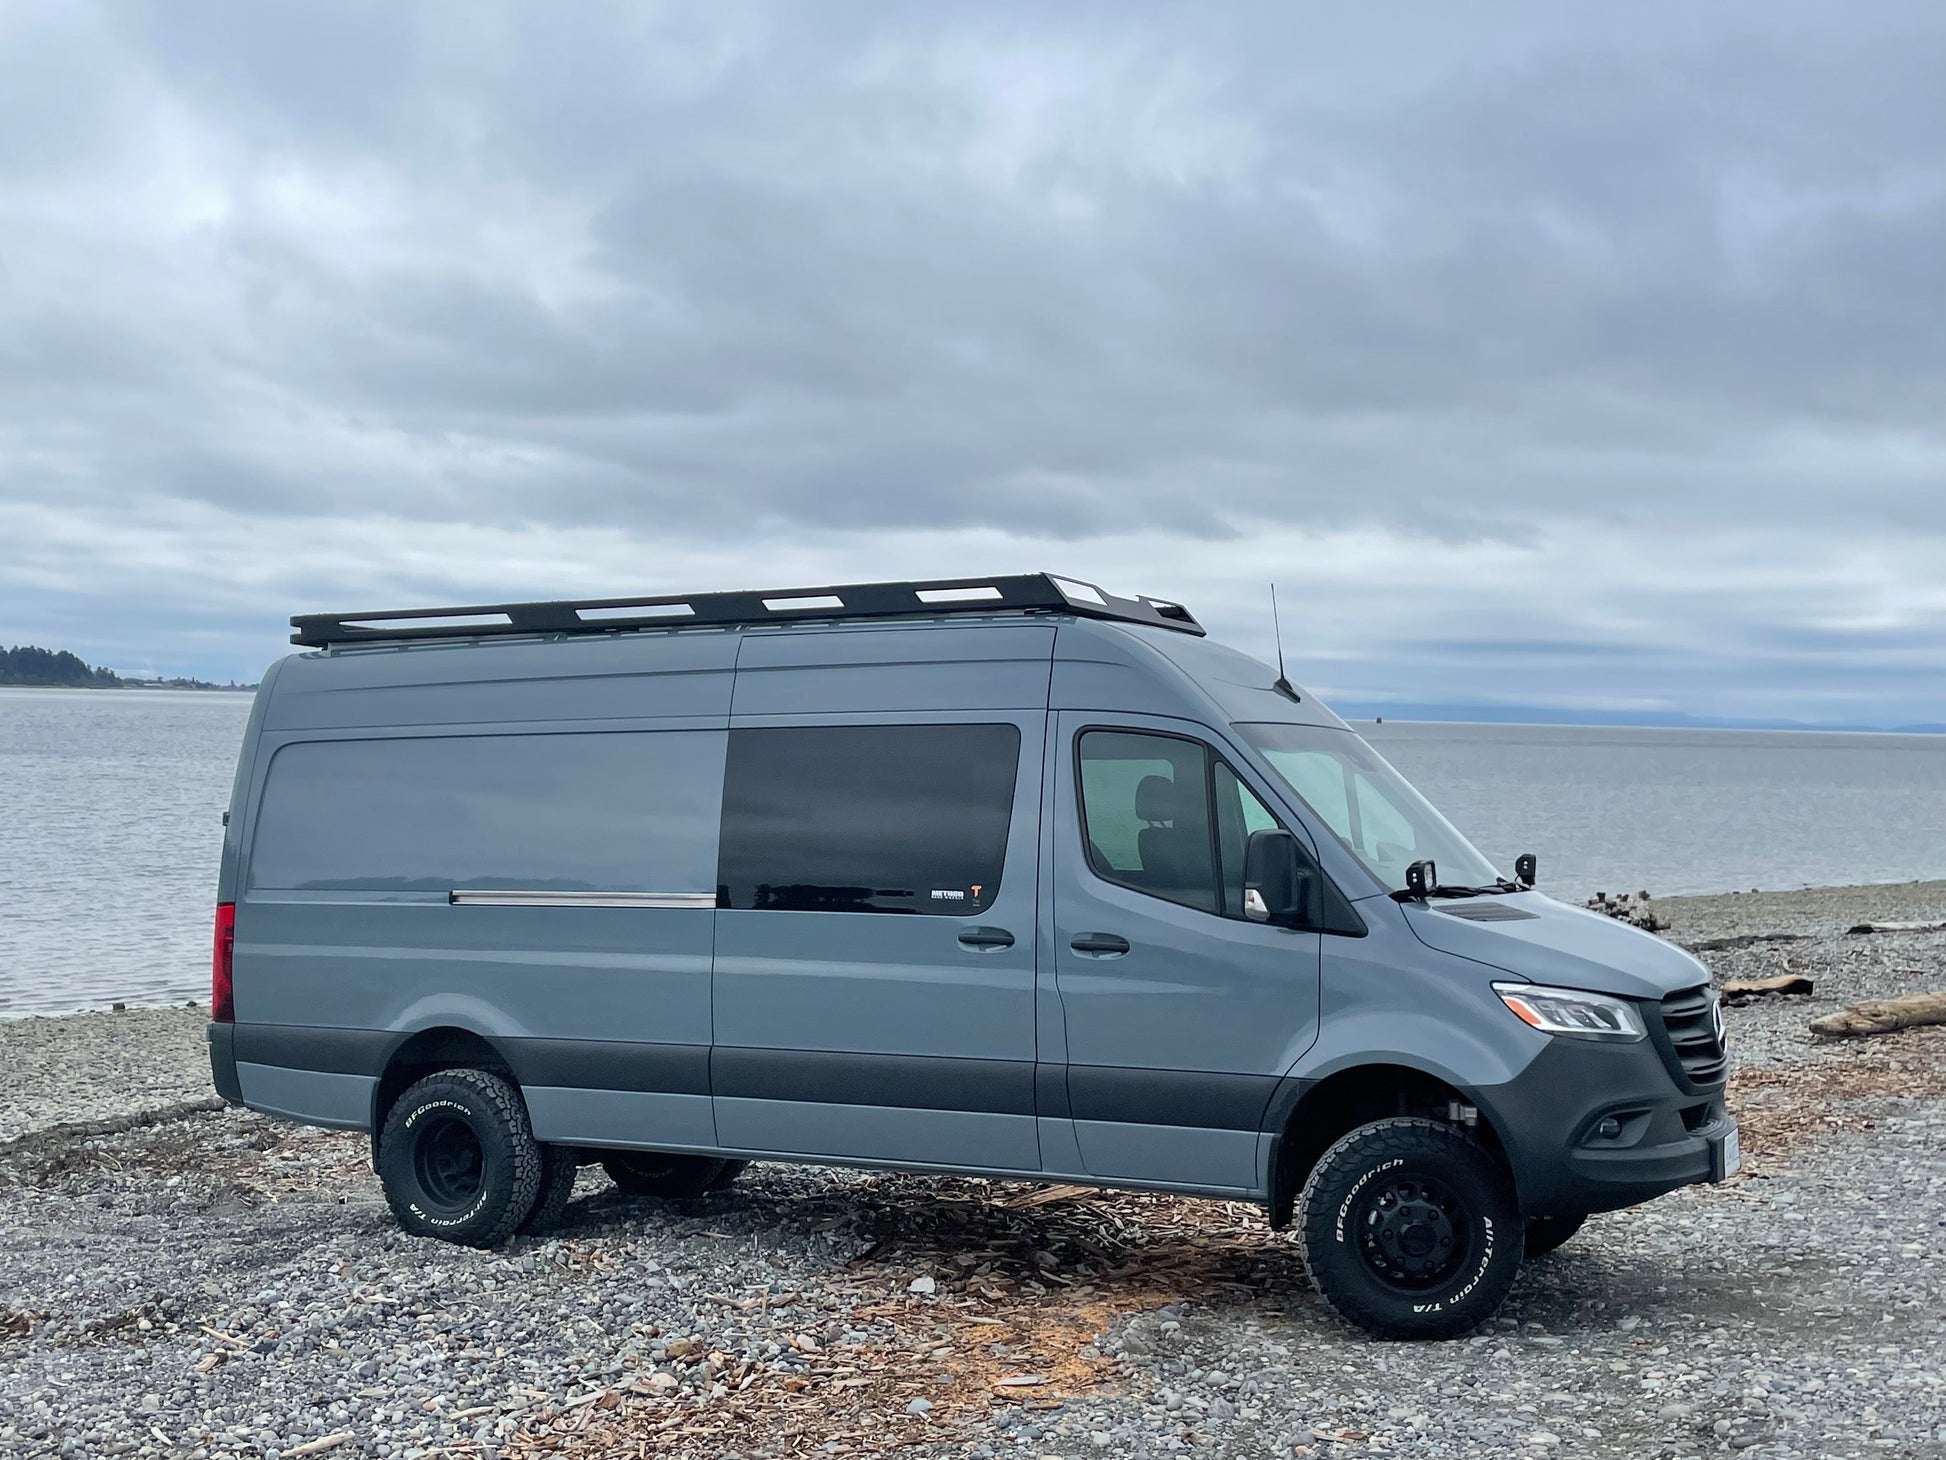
x=1371, y=808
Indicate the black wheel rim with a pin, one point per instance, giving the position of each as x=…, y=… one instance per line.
x=450, y=1163
x=1414, y=1233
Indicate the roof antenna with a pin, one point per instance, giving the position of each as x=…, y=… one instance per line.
x=1283, y=685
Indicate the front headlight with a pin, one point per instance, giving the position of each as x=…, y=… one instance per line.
x=1572, y=1012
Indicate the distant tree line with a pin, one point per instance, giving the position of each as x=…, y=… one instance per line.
x=26, y=664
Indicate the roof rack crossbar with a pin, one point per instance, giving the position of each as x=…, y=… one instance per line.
x=1019, y=592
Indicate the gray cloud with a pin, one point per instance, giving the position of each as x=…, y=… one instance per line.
x=1590, y=359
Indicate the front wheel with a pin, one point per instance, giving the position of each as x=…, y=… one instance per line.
x=1544, y=1234
x=1411, y=1229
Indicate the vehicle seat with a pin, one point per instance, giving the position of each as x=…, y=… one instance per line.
x=1175, y=859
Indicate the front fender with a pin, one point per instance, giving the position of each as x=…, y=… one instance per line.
x=1389, y=999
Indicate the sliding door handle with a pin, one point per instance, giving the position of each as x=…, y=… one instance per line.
x=1100, y=945
x=986, y=938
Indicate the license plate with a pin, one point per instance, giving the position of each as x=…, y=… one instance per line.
x=1726, y=1158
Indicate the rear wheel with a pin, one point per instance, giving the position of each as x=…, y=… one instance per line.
x=1411, y=1229
x=1544, y=1234
x=664, y=1174
x=559, y=1167
x=458, y=1159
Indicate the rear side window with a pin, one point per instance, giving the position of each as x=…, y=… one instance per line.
x=867, y=818
x=630, y=812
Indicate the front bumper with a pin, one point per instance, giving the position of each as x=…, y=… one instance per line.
x=1550, y=1116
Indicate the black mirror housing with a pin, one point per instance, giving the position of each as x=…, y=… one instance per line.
x=1278, y=886
x=1526, y=865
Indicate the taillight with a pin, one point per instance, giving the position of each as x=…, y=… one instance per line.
x=222, y=997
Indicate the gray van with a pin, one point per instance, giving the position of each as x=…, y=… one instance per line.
x=1008, y=876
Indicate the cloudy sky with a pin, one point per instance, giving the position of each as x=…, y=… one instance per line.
x=1572, y=356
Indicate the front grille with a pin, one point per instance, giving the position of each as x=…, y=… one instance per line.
x=1689, y=1038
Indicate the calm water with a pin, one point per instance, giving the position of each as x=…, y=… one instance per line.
x=1671, y=811
x=111, y=805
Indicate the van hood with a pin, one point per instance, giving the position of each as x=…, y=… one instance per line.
x=1555, y=944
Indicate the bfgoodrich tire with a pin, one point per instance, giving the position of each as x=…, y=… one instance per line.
x=559, y=1167
x=1411, y=1229
x=1544, y=1234
x=664, y=1174
x=458, y=1159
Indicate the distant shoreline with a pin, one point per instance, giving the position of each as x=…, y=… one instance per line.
x=196, y=686
x=1364, y=716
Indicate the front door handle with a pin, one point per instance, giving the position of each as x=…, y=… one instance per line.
x=986, y=938
x=1100, y=945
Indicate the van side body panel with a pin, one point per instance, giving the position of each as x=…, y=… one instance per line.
x=496, y=683
x=400, y=775
x=1176, y=1046
x=876, y=1035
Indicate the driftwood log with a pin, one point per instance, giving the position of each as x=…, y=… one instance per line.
x=1897, y=928
x=1882, y=1016
x=1742, y=990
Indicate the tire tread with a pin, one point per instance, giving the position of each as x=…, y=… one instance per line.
x=523, y=1153
x=558, y=1171
x=1403, y=1136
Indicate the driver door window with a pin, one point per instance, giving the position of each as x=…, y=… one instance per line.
x=1145, y=815
x=1146, y=803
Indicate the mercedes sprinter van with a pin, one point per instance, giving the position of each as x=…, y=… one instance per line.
x=1006, y=876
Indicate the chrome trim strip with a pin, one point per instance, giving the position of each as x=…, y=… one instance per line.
x=509, y=897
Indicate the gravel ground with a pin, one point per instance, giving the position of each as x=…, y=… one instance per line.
x=209, y=1282
x=92, y=1067
x=1810, y=910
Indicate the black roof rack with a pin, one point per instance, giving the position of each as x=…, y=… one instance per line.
x=1020, y=592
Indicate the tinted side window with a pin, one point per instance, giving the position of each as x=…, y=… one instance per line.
x=1145, y=814
x=630, y=811
x=867, y=818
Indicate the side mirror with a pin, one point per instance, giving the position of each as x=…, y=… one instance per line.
x=1525, y=866
x=1278, y=886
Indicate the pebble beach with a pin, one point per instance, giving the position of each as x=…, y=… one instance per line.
x=182, y=1279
